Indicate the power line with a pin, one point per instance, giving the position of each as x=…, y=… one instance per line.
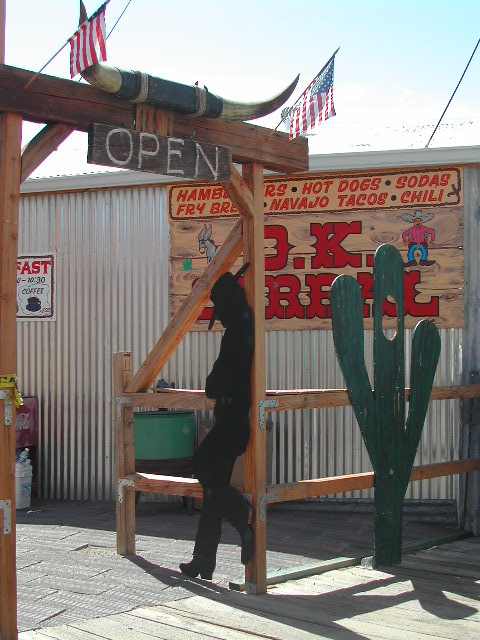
x=451, y=97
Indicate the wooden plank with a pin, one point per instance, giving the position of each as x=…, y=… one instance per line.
x=173, y=399
x=216, y=619
x=50, y=99
x=255, y=455
x=341, y=484
x=42, y=145
x=123, y=148
x=340, y=616
x=286, y=400
x=248, y=142
x=439, y=469
x=166, y=485
x=180, y=324
x=10, y=168
x=382, y=607
x=149, y=118
x=239, y=194
x=161, y=619
x=124, y=454
x=313, y=398
x=294, y=573
x=305, y=489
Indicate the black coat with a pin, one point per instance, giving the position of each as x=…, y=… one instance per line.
x=229, y=380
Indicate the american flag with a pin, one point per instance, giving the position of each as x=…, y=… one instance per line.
x=316, y=103
x=87, y=45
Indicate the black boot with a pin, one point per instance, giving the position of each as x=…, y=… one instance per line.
x=198, y=565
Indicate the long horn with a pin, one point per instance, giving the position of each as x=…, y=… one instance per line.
x=136, y=86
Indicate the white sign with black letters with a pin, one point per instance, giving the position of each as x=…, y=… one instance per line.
x=36, y=287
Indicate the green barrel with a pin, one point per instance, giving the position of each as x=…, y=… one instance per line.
x=164, y=435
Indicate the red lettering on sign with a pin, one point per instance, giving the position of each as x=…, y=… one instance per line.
x=414, y=308
x=445, y=179
x=25, y=268
x=328, y=249
x=319, y=306
x=182, y=195
x=283, y=288
x=280, y=234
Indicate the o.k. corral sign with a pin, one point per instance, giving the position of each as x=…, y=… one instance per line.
x=320, y=226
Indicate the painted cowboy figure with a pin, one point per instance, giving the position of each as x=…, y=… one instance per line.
x=418, y=237
x=229, y=384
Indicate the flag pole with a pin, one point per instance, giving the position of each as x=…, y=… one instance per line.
x=35, y=76
x=316, y=76
x=451, y=98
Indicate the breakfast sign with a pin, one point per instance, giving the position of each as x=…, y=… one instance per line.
x=318, y=227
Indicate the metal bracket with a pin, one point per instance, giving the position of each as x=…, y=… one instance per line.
x=264, y=404
x=122, y=483
x=121, y=402
x=265, y=498
x=6, y=507
x=6, y=396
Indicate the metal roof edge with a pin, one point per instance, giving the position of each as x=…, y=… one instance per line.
x=325, y=163
x=395, y=159
x=84, y=181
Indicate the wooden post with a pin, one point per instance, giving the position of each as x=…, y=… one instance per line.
x=10, y=163
x=124, y=455
x=255, y=458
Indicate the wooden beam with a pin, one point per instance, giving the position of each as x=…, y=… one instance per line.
x=318, y=398
x=50, y=99
x=255, y=456
x=166, y=485
x=173, y=399
x=55, y=100
x=188, y=312
x=42, y=145
x=239, y=194
x=10, y=152
x=287, y=400
x=248, y=142
x=124, y=454
x=439, y=469
x=341, y=484
x=153, y=120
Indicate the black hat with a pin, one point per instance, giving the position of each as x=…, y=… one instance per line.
x=225, y=287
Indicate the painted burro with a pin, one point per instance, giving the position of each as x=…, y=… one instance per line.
x=321, y=226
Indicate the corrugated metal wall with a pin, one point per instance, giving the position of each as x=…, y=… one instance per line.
x=112, y=295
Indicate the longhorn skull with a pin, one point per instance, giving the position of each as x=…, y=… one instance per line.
x=136, y=86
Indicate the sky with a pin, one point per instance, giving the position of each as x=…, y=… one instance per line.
x=398, y=63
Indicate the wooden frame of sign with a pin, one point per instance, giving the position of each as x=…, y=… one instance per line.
x=67, y=106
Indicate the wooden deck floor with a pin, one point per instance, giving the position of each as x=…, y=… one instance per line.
x=432, y=594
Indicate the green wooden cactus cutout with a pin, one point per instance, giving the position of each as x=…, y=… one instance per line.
x=391, y=443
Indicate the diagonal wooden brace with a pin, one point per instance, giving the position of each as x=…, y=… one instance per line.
x=239, y=194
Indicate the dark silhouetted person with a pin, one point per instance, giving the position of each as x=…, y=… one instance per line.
x=229, y=384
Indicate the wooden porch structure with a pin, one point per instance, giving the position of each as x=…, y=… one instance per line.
x=65, y=106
